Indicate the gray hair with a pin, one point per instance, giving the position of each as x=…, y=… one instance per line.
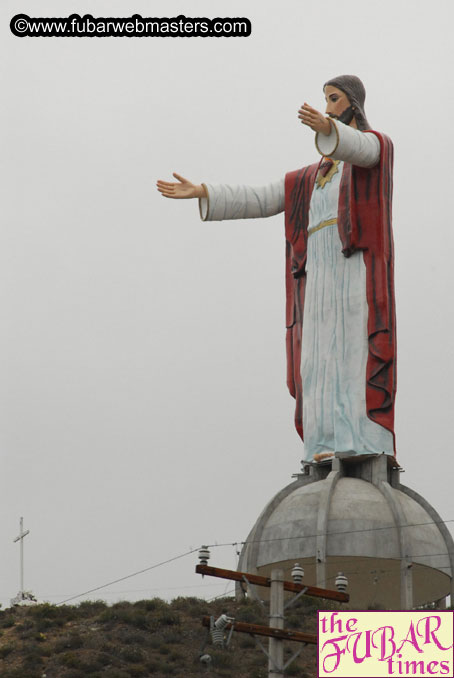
x=356, y=93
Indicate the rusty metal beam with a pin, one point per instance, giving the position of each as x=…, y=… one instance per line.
x=265, y=581
x=270, y=632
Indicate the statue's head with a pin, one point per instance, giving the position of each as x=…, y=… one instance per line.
x=345, y=96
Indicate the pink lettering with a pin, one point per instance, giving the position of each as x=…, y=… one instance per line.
x=323, y=621
x=336, y=655
x=357, y=636
x=430, y=632
x=385, y=640
x=351, y=625
x=410, y=638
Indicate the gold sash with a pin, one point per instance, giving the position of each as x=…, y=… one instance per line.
x=322, y=224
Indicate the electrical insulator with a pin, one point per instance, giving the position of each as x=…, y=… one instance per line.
x=217, y=637
x=217, y=629
x=297, y=573
x=341, y=582
x=221, y=622
x=204, y=555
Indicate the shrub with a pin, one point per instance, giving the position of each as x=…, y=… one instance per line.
x=192, y=606
x=151, y=605
x=294, y=621
x=91, y=664
x=31, y=649
x=104, y=659
x=131, y=637
x=153, y=666
x=25, y=633
x=22, y=672
x=32, y=661
x=131, y=654
x=249, y=615
x=168, y=618
x=222, y=659
x=154, y=641
x=7, y=621
x=50, y=616
x=293, y=670
x=125, y=614
x=70, y=659
x=175, y=656
x=46, y=649
x=256, y=659
x=76, y=673
x=97, y=641
x=25, y=625
x=111, y=673
x=138, y=671
x=171, y=637
x=90, y=608
x=246, y=642
x=259, y=673
x=72, y=641
x=5, y=650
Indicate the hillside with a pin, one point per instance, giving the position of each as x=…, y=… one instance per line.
x=135, y=640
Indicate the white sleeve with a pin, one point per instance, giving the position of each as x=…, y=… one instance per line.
x=349, y=144
x=242, y=202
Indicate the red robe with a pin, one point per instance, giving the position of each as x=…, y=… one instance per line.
x=364, y=223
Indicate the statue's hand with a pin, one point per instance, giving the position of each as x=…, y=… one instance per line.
x=183, y=189
x=314, y=119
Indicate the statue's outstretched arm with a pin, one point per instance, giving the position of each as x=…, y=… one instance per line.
x=181, y=189
x=225, y=201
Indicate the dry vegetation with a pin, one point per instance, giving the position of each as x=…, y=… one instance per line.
x=135, y=640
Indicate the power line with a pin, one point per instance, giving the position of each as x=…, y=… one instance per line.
x=330, y=534
x=343, y=559
x=147, y=590
x=332, y=561
x=128, y=576
x=258, y=541
x=221, y=595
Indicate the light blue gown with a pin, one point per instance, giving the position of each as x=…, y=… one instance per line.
x=334, y=346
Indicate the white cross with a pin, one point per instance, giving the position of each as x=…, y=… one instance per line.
x=20, y=538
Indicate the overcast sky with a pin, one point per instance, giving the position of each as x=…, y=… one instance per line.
x=143, y=404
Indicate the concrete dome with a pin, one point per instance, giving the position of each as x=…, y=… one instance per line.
x=355, y=517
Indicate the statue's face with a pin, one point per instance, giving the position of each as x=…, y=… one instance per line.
x=336, y=101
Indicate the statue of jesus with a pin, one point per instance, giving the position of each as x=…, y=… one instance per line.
x=341, y=342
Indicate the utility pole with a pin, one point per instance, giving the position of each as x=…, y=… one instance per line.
x=21, y=538
x=276, y=631
x=276, y=645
